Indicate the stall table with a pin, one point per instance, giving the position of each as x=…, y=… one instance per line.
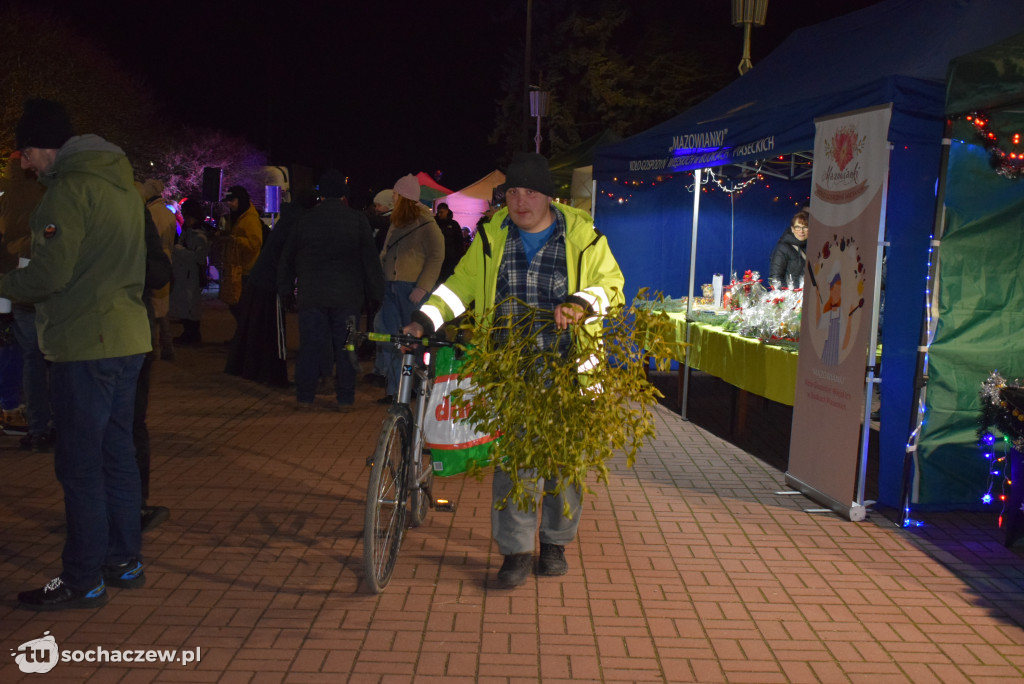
x=749, y=365
x=766, y=370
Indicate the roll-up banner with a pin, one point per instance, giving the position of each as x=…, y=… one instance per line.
x=841, y=289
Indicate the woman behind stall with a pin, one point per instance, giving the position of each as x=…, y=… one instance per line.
x=790, y=254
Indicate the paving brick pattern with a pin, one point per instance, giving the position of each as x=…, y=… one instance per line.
x=689, y=567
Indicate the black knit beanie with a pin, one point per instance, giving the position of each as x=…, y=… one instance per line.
x=529, y=170
x=44, y=124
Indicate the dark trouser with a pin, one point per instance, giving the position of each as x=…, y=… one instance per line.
x=140, y=431
x=190, y=334
x=94, y=458
x=10, y=377
x=35, y=373
x=320, y=330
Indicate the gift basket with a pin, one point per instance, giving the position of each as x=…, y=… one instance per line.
x=772, y=315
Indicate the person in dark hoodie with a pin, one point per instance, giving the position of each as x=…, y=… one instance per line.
x=86, y=277
x=790, y=255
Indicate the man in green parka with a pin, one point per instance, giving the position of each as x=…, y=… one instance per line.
x=551, y=257
x=85, y=278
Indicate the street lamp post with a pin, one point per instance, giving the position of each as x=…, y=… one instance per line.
x=748, y=13
x=539, y=100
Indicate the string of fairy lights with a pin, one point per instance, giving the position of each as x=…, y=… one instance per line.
x=711, y=181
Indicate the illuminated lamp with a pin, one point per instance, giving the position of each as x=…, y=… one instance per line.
x=748, y=13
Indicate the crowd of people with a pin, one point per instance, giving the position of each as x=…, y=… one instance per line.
x=95, y=267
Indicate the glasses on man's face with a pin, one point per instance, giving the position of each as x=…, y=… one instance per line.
x=798, y=226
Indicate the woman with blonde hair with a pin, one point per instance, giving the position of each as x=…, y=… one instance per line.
x=412, y=257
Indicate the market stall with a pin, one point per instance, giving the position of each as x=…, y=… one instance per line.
x=762, y=127
x=979, y=301
x=469, y=204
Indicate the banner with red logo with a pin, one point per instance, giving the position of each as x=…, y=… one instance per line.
x=850, y=177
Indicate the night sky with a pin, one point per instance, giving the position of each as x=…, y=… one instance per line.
x=377, y=89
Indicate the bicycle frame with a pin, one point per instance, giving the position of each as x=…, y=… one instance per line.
x=415, y=382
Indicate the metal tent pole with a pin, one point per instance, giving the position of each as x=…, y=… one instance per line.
x=931, y=299
x=869, y=390
x=689, y=298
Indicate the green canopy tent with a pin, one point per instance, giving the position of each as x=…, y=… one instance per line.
x=572, y=170
x=977, y=317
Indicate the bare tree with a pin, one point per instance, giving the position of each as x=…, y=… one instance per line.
x=100, y=96
x=180, y=163
x=103, y=98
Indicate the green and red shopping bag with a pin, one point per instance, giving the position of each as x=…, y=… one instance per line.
x=454, y=444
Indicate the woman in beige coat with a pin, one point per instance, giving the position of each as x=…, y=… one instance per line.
x=412, y=257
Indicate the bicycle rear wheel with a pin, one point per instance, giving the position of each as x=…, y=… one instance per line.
x=386, y=498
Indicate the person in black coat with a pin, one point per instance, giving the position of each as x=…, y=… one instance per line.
x=332, y=256
x=790, y=254
x=258, y=349
x=453, y=241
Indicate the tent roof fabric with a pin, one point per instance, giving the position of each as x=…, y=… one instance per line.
x=430, y=189
x=987, y=79
x=426, y=180
x=896, y=51
x=483, y=188
x=562, y=165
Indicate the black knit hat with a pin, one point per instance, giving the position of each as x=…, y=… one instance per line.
x=529, y=170
x=44, y=124
x=237, y=192
x=332, y=184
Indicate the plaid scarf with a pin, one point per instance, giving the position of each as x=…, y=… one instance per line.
x=542, y=284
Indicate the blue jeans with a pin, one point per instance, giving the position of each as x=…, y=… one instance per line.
x=322, y=330
x=10, y=377
x=35, y=373
x=395, y=313
x=94, y=458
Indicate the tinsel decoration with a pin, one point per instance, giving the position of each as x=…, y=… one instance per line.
x=1002, y=407
x=1006, y=162
x=1002, y=410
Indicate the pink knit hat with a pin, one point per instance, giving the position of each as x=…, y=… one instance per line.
x=408, y=187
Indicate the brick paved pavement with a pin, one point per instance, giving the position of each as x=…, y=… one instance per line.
x=688, y=568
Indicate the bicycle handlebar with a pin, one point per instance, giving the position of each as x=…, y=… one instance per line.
x=355, y=337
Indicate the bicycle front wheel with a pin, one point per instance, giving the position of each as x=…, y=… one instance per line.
x=386, y=500
x=420, y=487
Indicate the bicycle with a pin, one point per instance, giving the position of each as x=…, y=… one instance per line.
x=401, y=477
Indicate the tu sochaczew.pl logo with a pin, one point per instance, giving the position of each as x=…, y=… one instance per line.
x=42, y=655
x=39, y=655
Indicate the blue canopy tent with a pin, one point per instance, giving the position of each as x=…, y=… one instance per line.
x=897, y=51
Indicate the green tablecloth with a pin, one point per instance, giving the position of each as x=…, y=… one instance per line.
x=763, y=369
